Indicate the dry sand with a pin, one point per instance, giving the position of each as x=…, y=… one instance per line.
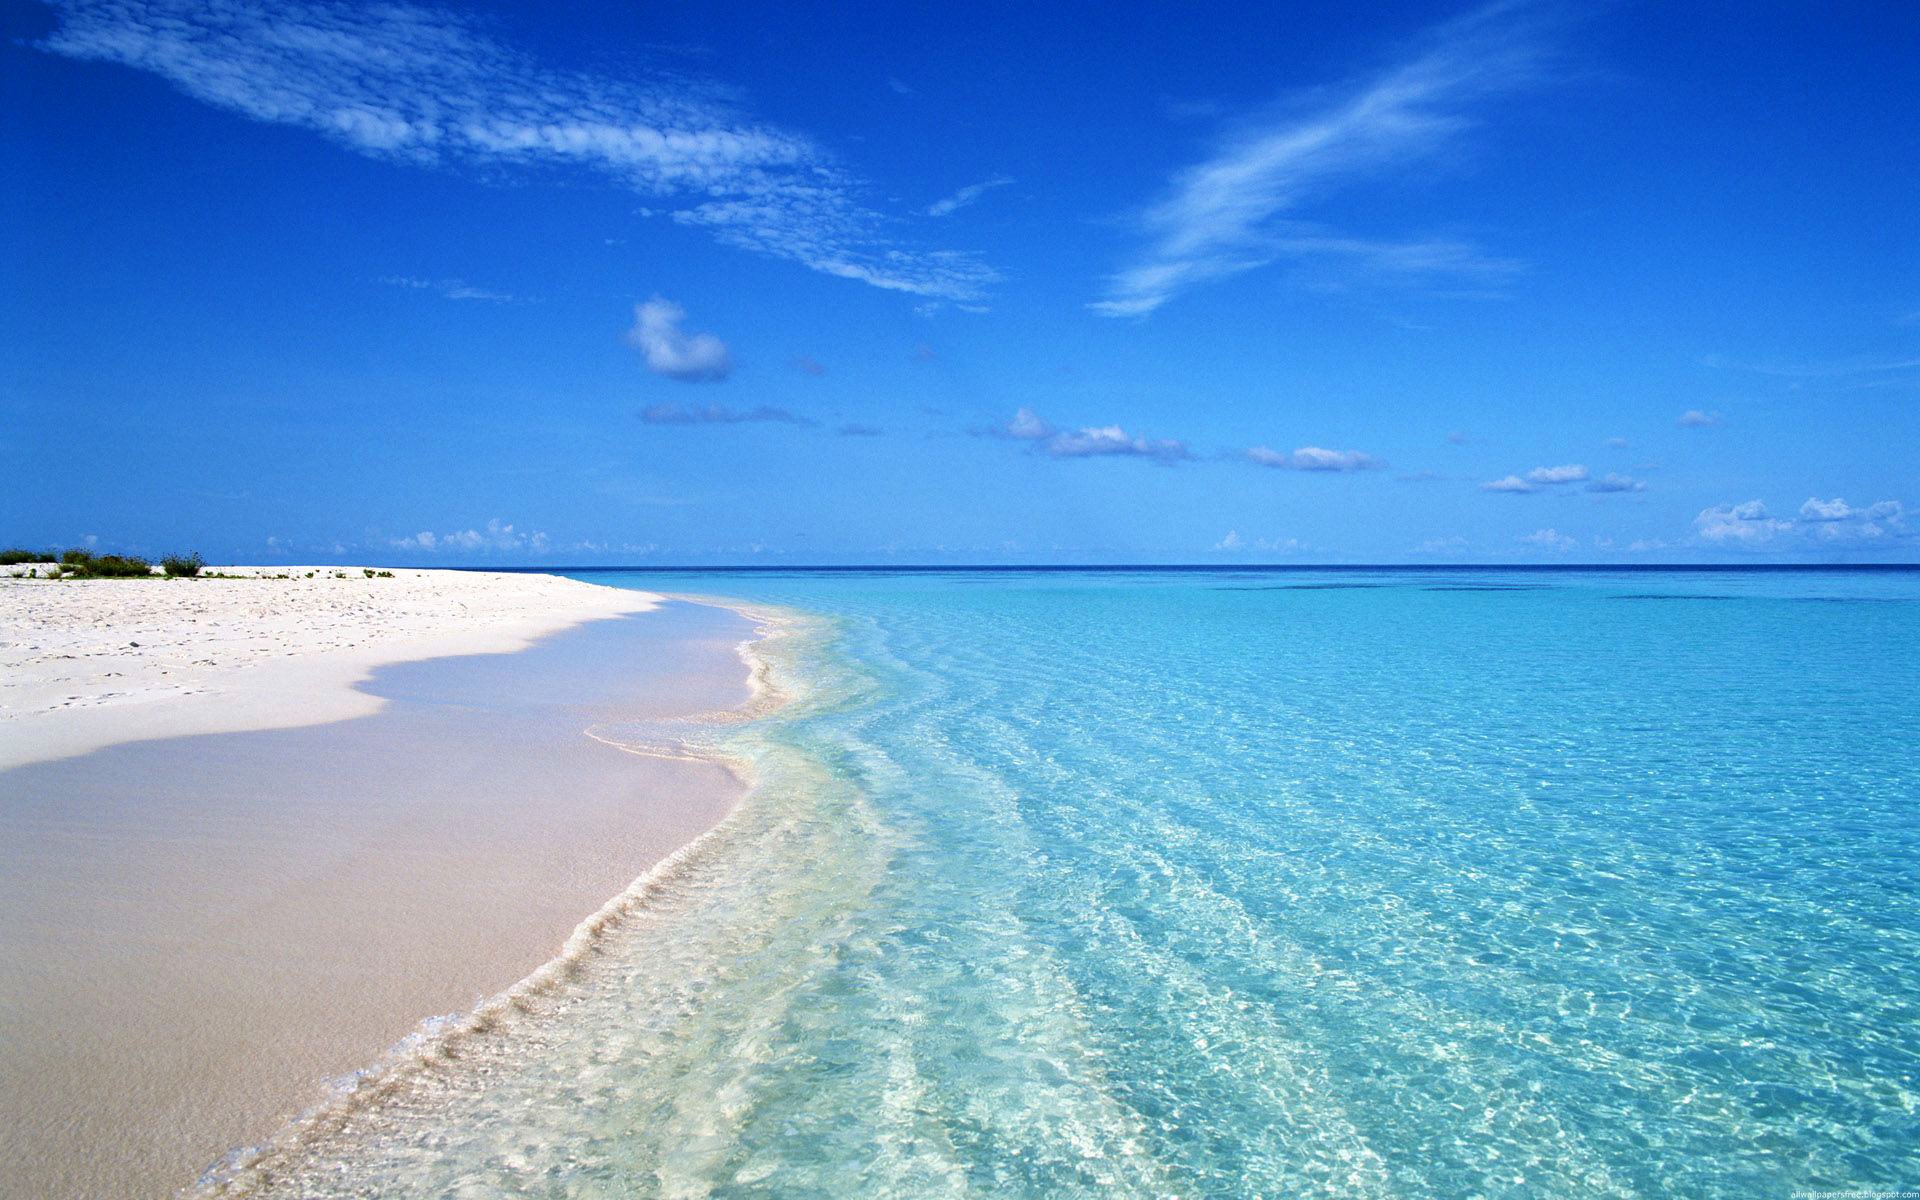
x=94, y=662
x=200, y=932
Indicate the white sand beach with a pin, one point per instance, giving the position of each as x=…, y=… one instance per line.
x=245, y=856
x=91, y=663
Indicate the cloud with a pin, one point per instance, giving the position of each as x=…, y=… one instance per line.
x=1314, y=458
x=433, y=87
x=1549, y=539
x=809, y=365
x=1029, y=426
x=718, y=414
x=1234, y=542
x=1616, y=443
x=1093, y=441
x=1512, y=483
x=1835, y=509
x=965, y=196
x=1440, y=545
x=451, y=289
x=670, y=351
x=1694, y=418
x=496, y=537
x=1456, y=438
x=1228, y=213
x=1098, y=441
x=1616, y=483
x=1739, y=524
x=858, y=430
x=1569, y=473
x=1820, y=522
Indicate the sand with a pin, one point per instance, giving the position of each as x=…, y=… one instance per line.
x=201, y=932
x=95, y=662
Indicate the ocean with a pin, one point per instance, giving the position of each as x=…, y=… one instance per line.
x=1367, y=882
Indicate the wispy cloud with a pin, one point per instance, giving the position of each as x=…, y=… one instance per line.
x=1314, y=458
x=451, y=289
x=1091, y=441
x=1613, y=482
x=1549, y=539
x=965, y=196
x=433, y=87
x=1233, y=543
x=809, y=365
x=1695, y=418
x=1237, y=209
x=719, y=414
x=671, y=351
x=1511, y=483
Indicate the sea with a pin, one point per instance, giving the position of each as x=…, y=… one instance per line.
x=1415, y=882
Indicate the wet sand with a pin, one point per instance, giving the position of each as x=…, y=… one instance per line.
x=201, y=932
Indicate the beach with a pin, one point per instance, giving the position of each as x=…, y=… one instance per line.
x=254, y=831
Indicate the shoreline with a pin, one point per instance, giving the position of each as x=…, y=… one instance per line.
x=88, y=664
x=670, y=804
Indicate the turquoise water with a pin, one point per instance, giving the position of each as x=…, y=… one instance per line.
x=1367, y=883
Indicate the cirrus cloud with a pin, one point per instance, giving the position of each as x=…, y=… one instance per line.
x=433, y=87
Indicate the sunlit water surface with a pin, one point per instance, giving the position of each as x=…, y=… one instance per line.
x=1346, y=883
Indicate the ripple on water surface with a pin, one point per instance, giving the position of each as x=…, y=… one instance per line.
x=1134, y=885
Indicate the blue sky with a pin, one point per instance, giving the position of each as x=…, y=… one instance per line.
x=677, y=283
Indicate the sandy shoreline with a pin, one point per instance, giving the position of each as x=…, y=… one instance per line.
x=92, y=663
x=204, y=929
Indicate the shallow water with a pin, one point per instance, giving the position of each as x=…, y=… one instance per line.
x=1248, y=884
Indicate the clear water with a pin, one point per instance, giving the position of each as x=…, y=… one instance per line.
x=1251, y=884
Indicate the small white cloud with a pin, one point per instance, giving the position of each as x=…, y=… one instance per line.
x=672, y=352
x=1745, y=524
x=1230, y=542
x=1835, y=509
x=965, y=196
x=1102, y=440
x=496, y=537
x=1314, y=458
x=1093, y=441
x=1441, y=545
x=1569, y=473
x=1549, y=539
x=1512, y=483
x=1616, y=443
x=1616, y=483
x=1028, y=426
x=1695, y=418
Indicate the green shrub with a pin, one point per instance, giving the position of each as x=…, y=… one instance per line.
x=77, y=558
x=118, y=566
x=14, y=557
x=177, y=565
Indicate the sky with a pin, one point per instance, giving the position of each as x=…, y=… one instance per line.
x=685, y=284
